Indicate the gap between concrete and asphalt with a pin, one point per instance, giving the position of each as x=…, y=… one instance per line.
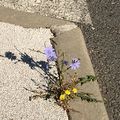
x=70, y=40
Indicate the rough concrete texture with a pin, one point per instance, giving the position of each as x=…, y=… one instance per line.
x=28, y=20
x=73, y=44
x=73, y=10
x=14, y=99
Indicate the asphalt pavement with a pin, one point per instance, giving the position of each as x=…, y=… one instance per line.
x=103, y=43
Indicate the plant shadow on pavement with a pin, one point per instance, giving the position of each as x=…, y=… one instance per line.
x=35, y=65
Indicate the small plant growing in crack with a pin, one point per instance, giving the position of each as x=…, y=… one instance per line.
x=64, y=89
x=62, y=86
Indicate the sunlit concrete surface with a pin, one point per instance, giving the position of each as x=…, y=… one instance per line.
x=14, y=99
x=73, y=10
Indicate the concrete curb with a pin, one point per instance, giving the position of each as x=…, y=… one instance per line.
x=73, y=44
x=69, y=39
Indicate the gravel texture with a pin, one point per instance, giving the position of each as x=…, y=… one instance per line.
x=14, y=99
x=103, y=43
x=73, y=10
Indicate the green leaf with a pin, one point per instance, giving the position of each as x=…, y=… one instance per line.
x=87, y=97
x=86, y=79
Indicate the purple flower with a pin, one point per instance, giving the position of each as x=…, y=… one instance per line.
x=75, y=64
x=50, y=53
x=65, y=62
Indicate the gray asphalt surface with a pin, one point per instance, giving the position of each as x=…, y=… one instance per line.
x=103, y=43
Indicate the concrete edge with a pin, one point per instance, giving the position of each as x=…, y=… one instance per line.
x=67, y=36
x=73, y=44
x=28, y=19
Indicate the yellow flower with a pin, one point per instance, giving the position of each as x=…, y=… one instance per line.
x=67, y=92
x=74, y=90
x=62, y=97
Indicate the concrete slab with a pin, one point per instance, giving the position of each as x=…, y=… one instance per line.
x=28, y=19
x=14, y=99
x=73, y=10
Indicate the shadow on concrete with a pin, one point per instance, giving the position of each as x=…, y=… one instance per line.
x=103, y=43
x=49, y=77
x=25, y=58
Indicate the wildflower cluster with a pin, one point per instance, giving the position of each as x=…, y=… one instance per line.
x=59, y=88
